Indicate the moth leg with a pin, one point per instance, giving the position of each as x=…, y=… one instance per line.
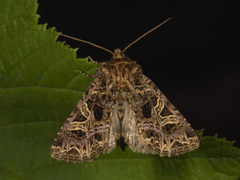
x=85, y=74
x=89, y=58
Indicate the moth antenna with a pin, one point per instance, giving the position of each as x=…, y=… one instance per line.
x=151, y=30
x=86, y=42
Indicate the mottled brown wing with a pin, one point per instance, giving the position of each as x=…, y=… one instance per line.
x=86, y=132
x=154, y=125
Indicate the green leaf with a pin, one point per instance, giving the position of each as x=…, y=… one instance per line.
x=39, y=88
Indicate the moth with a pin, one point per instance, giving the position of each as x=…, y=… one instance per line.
x=121, y=102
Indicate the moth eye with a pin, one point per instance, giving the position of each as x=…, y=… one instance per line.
x=146, y=110
x=98, y=112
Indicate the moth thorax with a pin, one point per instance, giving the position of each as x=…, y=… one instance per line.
x=118, y=54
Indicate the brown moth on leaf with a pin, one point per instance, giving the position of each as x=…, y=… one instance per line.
x=122, y=102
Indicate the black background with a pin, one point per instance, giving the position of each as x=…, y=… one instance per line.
x=193, y=58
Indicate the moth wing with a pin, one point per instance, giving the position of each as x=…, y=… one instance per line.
x=153, y=125
x=86, y=132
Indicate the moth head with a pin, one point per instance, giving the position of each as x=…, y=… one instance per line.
x=118, y=54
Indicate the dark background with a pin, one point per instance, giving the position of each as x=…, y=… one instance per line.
x=193, y=58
